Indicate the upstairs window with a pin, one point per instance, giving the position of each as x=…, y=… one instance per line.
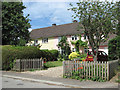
x=36, y=41
x=74, y=37
x=45, y=40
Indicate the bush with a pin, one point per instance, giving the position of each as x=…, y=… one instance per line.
x=82, y=57
x=10, y=53
x=73, y=55
x=50, y=55
x=55, y=54
x=114, y=48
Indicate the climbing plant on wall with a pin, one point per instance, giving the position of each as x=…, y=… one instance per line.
x=79, y=43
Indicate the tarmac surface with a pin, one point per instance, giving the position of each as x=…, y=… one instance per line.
x=71, y=83
x=16, y=83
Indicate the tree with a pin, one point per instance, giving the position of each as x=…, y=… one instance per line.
x=97, y=20
x=14, y=25
x=114, y=48
x=64, y=46
x=116, y=14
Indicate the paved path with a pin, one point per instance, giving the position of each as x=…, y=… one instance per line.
x=50, y=72
x=60, y=81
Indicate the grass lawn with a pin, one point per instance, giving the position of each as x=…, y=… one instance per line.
x=52, y=64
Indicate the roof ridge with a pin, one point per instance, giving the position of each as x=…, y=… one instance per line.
x=52, y=26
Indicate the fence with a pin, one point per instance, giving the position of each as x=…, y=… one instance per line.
x=28, y=64
x=104, y=70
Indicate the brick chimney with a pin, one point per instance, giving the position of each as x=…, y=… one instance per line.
x=74, y=20
x=53, y=24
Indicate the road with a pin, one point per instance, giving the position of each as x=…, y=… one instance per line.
x=15, y=83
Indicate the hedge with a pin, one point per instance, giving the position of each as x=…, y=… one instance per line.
x=10, y=53
x=114, y=48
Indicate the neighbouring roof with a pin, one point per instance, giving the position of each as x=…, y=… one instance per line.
x=58, y=30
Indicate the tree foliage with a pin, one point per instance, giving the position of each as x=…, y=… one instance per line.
x=97, y=20
x=116, y=14
x=114, y=48
x=14, y=25
x=64, y=46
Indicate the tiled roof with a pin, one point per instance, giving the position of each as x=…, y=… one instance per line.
x=58, y=30
x=61, y=30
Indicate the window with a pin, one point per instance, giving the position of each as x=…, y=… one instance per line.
x=73, y=49
x=59, y=38
x=45, y=40
x=74, y=37
x=85, y=50
x=35, y=42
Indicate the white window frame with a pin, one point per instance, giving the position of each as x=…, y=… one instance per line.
x=74, y=37
x=73, y=49
x=45, y=40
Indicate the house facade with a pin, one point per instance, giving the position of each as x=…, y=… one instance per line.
x=49, y=37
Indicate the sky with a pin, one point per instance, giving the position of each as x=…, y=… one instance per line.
x=44, y=13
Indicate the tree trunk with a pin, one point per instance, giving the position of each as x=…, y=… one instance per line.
x=95, y=58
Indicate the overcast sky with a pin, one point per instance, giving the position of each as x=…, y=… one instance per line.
x=44, y=13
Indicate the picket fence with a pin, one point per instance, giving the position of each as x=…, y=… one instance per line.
x=28, y=64
x=104, y=70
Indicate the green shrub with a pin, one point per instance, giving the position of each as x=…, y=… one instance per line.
x=114, y=48
x=82, y=57
x=10, y=53
x=50, y=55
x=55, y=54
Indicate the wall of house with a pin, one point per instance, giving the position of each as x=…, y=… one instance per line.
x=51, y=44
x=73, y=46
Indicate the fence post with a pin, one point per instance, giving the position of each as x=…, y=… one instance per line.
x=94, y=68
x=20, y=65
x=42, y=63
x=89, y=69
x=107, y=70
x=102, y=69
x=63, y=68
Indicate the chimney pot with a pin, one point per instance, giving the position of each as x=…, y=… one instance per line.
x=54, y=24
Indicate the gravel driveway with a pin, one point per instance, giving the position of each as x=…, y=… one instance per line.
x=50, y=72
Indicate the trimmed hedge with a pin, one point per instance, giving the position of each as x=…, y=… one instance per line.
x=114, y=48
x=10, y=53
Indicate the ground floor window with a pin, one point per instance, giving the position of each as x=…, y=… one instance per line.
x=73, y=49
x=85, y=50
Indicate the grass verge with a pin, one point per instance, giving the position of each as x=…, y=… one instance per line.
x=52, y=64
